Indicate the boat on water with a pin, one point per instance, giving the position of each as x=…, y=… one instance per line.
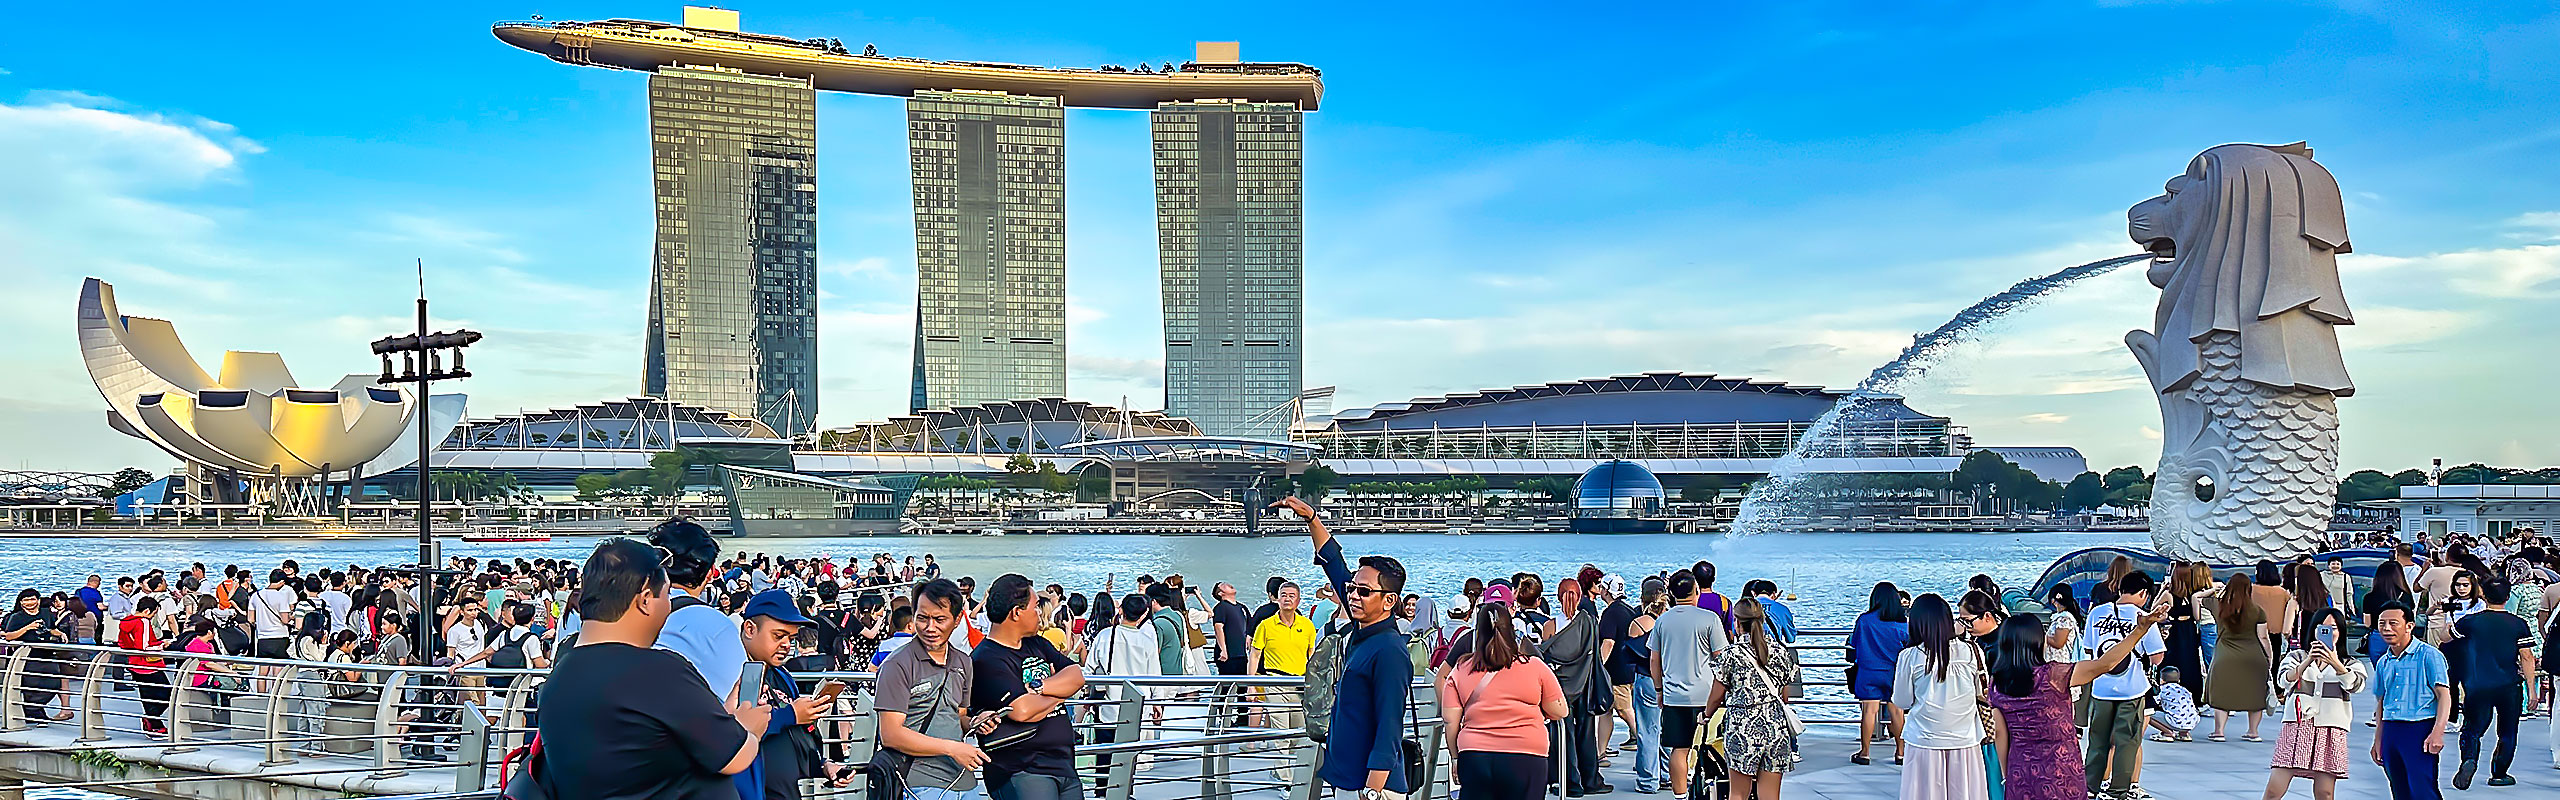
x=991, y=531
x=505, y=533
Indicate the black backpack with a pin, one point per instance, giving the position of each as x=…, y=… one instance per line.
x=510, y=654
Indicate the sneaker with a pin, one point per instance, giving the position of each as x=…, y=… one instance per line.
x=2462, y=777
x=2502, y=780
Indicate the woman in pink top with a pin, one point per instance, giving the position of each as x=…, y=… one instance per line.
x=1498, y=701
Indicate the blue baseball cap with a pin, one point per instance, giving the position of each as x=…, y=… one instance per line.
x=776, y=605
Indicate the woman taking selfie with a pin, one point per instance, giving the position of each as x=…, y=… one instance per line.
x=2318, y=682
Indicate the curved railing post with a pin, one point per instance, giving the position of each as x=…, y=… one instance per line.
x=386, y=725
x=273, y=726
x=1125, y=733
x=93, y=684
x=182, y=685
x=13, y=690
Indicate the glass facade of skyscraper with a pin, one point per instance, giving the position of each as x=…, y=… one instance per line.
x=989, y=172
x=733, y=287
x=1229, y=225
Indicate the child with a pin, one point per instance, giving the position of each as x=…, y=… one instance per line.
x=2176, y=718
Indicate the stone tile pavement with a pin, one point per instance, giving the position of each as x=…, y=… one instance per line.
x=2200, y=770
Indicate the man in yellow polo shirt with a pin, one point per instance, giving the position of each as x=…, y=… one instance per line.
x=1279, y=647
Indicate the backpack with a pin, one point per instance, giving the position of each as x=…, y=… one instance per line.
x=1324, y=671
x=510, y=654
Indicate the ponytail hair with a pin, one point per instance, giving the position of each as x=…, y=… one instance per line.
x=1496, y=648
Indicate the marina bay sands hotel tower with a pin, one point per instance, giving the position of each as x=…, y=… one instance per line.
x=733, y=286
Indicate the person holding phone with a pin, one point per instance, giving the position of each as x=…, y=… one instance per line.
x=2318, y=683
x=1024, y=681
x=792, y=748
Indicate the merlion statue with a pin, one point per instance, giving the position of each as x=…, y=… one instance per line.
x=2244, y=352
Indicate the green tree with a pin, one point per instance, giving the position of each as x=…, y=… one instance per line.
x=2365, y=485
x=125, y=481
x=1316, y=482
x=593, y=486
x=2086, y=491
x=1013, y=443
x=2120, y=477
x=2132, y=496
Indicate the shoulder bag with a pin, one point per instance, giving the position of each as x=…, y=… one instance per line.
x=1795, y=724
x=885, y=775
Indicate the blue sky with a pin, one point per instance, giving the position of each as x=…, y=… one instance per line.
x=1497, y=194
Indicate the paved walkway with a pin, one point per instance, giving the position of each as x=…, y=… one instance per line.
x=2200, y=770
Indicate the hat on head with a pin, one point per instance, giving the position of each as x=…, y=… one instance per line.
x=1613, y=584
x=1497, y=593
x=774, y=604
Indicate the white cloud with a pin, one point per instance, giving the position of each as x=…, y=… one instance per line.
x=2044, y=418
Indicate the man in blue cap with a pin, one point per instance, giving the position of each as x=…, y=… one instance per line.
x=771, y=623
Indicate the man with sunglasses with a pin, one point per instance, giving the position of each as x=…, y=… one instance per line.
x=1365, y=751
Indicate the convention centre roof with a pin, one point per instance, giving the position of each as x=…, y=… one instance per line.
x=1652, y=398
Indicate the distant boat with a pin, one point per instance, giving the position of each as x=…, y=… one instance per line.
x=1455, y=529
x=505, y=533
x=991, y=531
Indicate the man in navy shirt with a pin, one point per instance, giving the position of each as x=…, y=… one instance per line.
x=1365, y=751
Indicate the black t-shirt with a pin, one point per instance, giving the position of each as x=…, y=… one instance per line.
x=1613, y=628
x=1231, y=615
x=1003, y=674
x=2490, y=640
x=1267, y=611
x=632, y=722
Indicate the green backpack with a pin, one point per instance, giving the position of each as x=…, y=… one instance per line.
x=1324, y=670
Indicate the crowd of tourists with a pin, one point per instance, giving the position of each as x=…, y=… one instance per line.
x=979, y=688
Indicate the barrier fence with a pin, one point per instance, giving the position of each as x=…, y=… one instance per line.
x=427, y=732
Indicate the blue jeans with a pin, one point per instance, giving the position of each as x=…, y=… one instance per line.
x=2208, y=633
x=1648, y=707
x=939, y=793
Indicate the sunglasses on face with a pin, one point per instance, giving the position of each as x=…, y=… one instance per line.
x=1358, y=592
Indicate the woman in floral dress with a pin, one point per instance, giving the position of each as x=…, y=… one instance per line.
x=1751, y=683
x=2040, y=747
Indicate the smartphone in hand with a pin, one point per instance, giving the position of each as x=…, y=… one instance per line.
x=751, y=683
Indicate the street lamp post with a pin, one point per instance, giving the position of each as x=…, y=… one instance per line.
x=422, y=364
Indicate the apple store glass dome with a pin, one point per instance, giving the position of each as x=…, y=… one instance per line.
x=1617, y=489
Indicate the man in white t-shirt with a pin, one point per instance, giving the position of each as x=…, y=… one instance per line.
x=466, y=641
x=271, y=617
x=338, y=602
x=2116, y=717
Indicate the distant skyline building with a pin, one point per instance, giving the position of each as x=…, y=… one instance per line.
x=733, y=284
x=1230, y=230
x=989, y=173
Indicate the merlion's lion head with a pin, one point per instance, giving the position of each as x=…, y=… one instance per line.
x=2247, y=242
x=2243, y=201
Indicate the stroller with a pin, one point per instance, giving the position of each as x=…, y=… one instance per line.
x=1708, y=779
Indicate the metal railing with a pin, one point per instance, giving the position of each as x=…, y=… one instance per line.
x=375, y=730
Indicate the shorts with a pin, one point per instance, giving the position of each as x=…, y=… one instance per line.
x=1681, y=726
x=1872, y=684
x=270, y=648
